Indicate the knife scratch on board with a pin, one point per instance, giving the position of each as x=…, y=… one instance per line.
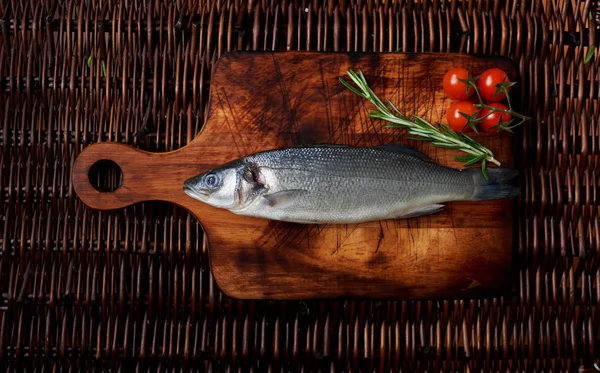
x=474, y=284
x=381, y=235
x=234, y=132
x=285, y=96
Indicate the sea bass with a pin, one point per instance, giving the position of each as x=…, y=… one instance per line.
x=341, y=184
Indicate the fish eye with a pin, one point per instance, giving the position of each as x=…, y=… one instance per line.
x=212, y=180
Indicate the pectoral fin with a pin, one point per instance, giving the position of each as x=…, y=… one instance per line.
x=283, y=198
x=428, y=210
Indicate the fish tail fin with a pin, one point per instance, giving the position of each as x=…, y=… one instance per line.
x=496, y=186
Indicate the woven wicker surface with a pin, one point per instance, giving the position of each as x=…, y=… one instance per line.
x=131, y=290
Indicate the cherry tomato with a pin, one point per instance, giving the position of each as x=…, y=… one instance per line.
x=490, y=120
x=457, y=121
x=487, y=84
x=455, y=88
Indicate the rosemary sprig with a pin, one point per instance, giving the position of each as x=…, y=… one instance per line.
x=419, y=128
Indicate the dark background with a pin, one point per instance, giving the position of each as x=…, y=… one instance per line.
x=130, y=290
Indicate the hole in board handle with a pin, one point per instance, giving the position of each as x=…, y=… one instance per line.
x=105, y=176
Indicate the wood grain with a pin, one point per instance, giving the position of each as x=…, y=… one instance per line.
x=264, y=100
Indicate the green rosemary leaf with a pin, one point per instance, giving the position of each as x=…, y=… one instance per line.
x=484, y=169
x=351, y=88
x=443, y=145
x=474, y=160
x=590, y=54
x=464, y=158
x=395, y=109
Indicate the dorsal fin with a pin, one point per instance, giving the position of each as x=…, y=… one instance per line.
x=388, y=147
x=404, y=150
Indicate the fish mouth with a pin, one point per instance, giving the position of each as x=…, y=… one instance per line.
x=194, y=193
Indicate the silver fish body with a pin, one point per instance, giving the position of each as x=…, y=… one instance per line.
x=343, y=184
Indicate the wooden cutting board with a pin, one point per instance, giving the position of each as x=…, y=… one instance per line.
x=264, y=100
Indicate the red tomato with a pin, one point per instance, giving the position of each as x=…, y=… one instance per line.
x=455, y=88
x=487, y=84
x=491, y=118
x=457, y=121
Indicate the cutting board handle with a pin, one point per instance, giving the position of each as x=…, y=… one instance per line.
x=145, y=176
